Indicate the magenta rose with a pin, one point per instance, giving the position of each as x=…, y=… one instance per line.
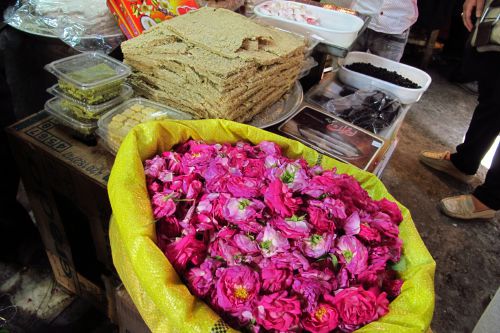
x=323, y=319
x=201, y=279
x=185, y=250
x=164, y=204
x=277, y=311
x=368, y=234
x=235, y=288
x=311, y=285
x=318, y=217
x=391, y=208
x=280, y=199
x=275, y=279
x=357, y=307
x=243, y=187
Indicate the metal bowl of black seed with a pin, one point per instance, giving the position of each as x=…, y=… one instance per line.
x=382, y=74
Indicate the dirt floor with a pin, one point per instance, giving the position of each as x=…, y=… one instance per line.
x=467, y=253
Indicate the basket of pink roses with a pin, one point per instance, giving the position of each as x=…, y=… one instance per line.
x=220, y=226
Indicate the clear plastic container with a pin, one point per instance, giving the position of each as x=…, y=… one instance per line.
x=87, y=111
x=116, y=123
x=83, y=128
x=90, y=77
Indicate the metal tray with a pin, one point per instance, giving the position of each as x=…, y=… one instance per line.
x=281, y=110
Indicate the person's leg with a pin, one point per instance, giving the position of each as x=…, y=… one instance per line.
x=485, y=124
x=489, y=192
x=361, y=43
x=390, y=46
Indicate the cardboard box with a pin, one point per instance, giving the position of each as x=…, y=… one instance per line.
x=127, y=317
x=65, y=181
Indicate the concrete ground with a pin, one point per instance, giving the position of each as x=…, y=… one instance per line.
x=467, y=253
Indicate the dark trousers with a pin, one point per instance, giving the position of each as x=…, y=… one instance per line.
x=483, y=130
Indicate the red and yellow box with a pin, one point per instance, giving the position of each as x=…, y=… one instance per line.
x=135, y=16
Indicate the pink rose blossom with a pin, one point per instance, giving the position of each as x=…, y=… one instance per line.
x=185, y=250
x=352, y=225
x=391, y=209
x=357, y=307
x=278, y=311
x=272, y=242
x=295, y=227
x=236, y=287
x=294, y=176
x=270, y=148
x=317, y=245
x=280, y=199
x=311, y=286
x=294, y=260
x=164, y=204
x=323, y=319
x=255, y=168
x=154, y=166
x=243, y=187
x=275, y=279
x=352, y=253
x=201, y=279
x=369, y=234
x=246, y=243
x=242, y=210
x=318, y=218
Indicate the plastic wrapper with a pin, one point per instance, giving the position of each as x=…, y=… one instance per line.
x=84, y=25
x=371, y=110
x=136, y=16
x=163, y=300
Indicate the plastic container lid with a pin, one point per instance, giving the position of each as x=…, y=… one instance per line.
x=63, y=69
x=125, y=94
x=114, y=135
x=83, y=126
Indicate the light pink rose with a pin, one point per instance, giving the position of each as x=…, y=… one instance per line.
x=352, y=253
x=242, y=210
x=295, y=227
x=272, y=242
x=246, y=243
x=352, y=224
x=317, y=245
